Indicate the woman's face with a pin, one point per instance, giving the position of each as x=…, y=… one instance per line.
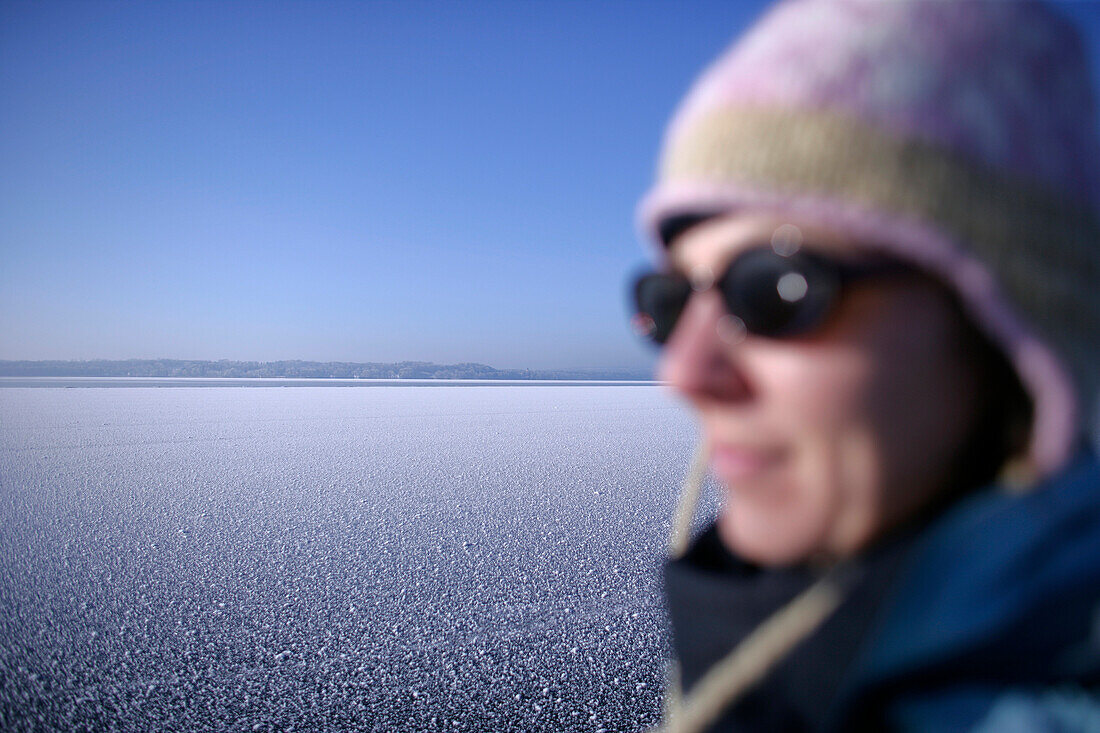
x=823, y=441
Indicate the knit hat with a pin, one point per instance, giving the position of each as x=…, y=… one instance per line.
x=958, y=136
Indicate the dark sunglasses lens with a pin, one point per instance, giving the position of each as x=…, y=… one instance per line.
x=658, y=300
x=776, y=295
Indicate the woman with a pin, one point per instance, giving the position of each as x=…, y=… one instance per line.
x=880, y=293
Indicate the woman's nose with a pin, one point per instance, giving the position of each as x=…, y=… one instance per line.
x=700, y=359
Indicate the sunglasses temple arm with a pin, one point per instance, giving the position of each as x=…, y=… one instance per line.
x=850, y=272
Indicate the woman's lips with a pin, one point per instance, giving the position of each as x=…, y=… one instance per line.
x=732, y=463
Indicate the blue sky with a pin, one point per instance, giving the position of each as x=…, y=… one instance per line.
x=359, y=181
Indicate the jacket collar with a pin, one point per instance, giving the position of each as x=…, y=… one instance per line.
x=1003, y=585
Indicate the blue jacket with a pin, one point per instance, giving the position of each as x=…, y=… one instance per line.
x=995, y=625
x=987, y=620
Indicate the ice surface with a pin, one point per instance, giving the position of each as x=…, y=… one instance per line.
x=335, y=558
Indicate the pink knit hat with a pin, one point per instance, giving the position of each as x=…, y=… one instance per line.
x=956, y=135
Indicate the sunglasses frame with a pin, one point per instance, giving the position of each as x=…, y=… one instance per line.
x=824, y=278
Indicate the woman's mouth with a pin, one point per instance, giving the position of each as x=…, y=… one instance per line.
x=733, y=463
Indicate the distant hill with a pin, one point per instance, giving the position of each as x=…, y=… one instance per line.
x=299, y=370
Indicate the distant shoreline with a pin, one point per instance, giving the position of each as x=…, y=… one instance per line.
x=175, y=382
x=303, y=370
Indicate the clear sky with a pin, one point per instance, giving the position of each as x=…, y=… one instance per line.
x=355, y=181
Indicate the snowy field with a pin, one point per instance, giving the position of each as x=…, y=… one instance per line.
x=335, y=558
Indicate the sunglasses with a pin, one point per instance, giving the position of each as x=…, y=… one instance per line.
x=773, y=295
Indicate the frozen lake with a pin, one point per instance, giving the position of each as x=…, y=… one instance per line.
x=335, y=558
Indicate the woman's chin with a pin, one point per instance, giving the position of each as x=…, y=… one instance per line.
x=770, y=537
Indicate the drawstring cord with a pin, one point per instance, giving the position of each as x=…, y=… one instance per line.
x=689, y=499
x=751, y=660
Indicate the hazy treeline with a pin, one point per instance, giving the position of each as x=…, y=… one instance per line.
x=295, y=369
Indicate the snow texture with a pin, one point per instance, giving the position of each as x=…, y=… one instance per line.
x=392, y=559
